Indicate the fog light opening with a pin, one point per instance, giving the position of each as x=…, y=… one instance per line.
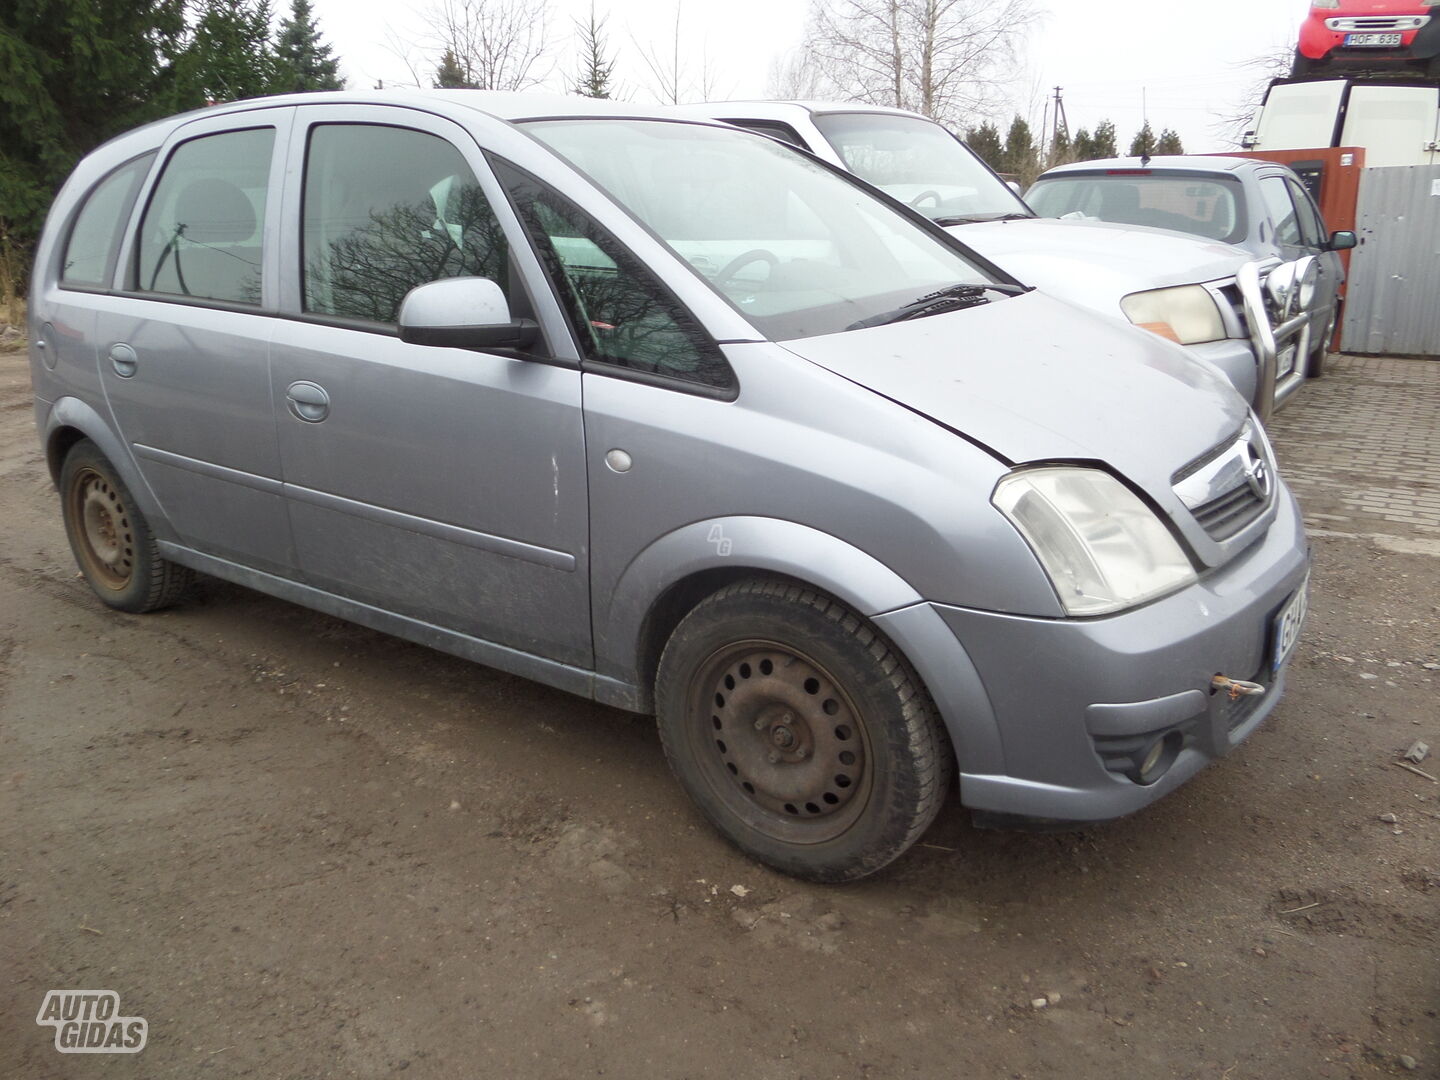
x=1159, y=757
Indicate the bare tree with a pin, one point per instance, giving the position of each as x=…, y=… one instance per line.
x=950, y=59
x=795, y=76
x=1264, y=69
x=674, y=81
x=496, y=44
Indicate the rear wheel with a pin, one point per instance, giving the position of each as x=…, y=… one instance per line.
x=800, y=732
x=110, y=537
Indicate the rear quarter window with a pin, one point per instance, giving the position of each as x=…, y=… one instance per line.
x=94, y=240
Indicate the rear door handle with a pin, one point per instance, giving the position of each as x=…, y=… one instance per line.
x=124, y=360
x=308, y=401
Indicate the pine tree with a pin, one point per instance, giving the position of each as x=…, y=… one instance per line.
x=596, y=69
x=985, y=141
x=1062, y=152
x=1169, y=142
x=1021, y=157
x=1103, y=141
x=75, y=73
x=451, y=76
x=302, y=60
x=1082, y=146
x=229, y=55
x=1143, y=145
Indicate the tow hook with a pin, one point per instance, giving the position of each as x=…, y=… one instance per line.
x=1236, y=688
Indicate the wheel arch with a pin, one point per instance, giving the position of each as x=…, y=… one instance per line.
x=71, y=420
x=665, y=581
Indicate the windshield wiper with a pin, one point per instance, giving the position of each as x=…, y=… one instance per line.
x=946, y=221
x=950, y=298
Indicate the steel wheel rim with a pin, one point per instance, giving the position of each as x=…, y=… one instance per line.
x=780, y=741
x=105, y=536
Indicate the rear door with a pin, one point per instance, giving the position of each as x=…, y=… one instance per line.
x=182, y=340
x=447, y=485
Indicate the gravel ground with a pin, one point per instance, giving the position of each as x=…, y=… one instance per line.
x=302, y=849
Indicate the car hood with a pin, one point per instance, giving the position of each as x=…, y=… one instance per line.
x=1033, y=379
x=1095, y=263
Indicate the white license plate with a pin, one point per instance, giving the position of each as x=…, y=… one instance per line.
x=1287, y=624
x=1372, y=41
x=1285, y=361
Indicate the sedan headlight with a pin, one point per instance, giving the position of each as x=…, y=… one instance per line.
x=1186, y=314
x=1103, y=548
x=1326, y=5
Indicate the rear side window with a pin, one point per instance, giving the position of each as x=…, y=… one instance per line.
x=203, y=231
x=95, y=237
x=387, y=209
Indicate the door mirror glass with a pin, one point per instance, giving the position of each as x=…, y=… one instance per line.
x=1342, y=240
x=463, y=312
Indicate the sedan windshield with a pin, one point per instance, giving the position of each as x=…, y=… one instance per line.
x=919, y=162
x=798, y=249
x=1200, y=205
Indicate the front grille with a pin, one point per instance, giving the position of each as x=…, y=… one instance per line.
x=1226, y=514
x=1381, y=23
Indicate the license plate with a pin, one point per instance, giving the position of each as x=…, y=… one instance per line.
x=1287, y=624
x=1285, y=361
x=1372, y=41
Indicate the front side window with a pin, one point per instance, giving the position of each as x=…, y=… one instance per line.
x=1280, y=210
x=1212, y=208
x=95, y=237
x=797, y=248
x=1312, y=229
x=202, y=234
x=387, y=209
x=621, y=314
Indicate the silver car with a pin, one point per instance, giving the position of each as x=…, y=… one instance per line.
x=666, y=415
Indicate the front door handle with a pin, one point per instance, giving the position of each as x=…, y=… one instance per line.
x=308, y=401
x=123, y=360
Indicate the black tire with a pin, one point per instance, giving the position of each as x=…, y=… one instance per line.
x=800, y=731
x=1315, y=367
x=111, y=539
x=1302, y=66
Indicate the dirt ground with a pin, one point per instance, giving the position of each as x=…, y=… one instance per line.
x=303, y=849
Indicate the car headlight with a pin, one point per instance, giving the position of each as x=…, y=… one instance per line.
x=1186, y=314
x=1103, y=548
x=1325, y=5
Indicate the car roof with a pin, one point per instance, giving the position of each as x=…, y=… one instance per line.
x=1191, y=163
x=769, y=109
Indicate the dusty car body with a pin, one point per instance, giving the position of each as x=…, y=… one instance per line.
x=667, y=416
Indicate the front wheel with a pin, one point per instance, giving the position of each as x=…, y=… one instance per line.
x=110, y=537
x=799, y=731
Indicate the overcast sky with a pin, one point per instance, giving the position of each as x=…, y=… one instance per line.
x=1184, y=63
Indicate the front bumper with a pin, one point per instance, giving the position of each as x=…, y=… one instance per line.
x=1072, y=701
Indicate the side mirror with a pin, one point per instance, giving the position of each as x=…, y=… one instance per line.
x=463, y=313
x=1343, y=240
x=1013, y=186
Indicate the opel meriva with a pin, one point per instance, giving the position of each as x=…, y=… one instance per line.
x=673, y=417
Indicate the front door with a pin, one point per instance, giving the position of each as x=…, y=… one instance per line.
x=444, y=484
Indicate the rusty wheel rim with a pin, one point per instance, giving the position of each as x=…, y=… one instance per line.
x=781, y=741
x=106, y=540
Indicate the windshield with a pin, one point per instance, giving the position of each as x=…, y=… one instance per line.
x=1206, y=206
x=919, y=162
x=797, y=249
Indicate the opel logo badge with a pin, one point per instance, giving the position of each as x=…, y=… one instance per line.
x=1257, y=473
